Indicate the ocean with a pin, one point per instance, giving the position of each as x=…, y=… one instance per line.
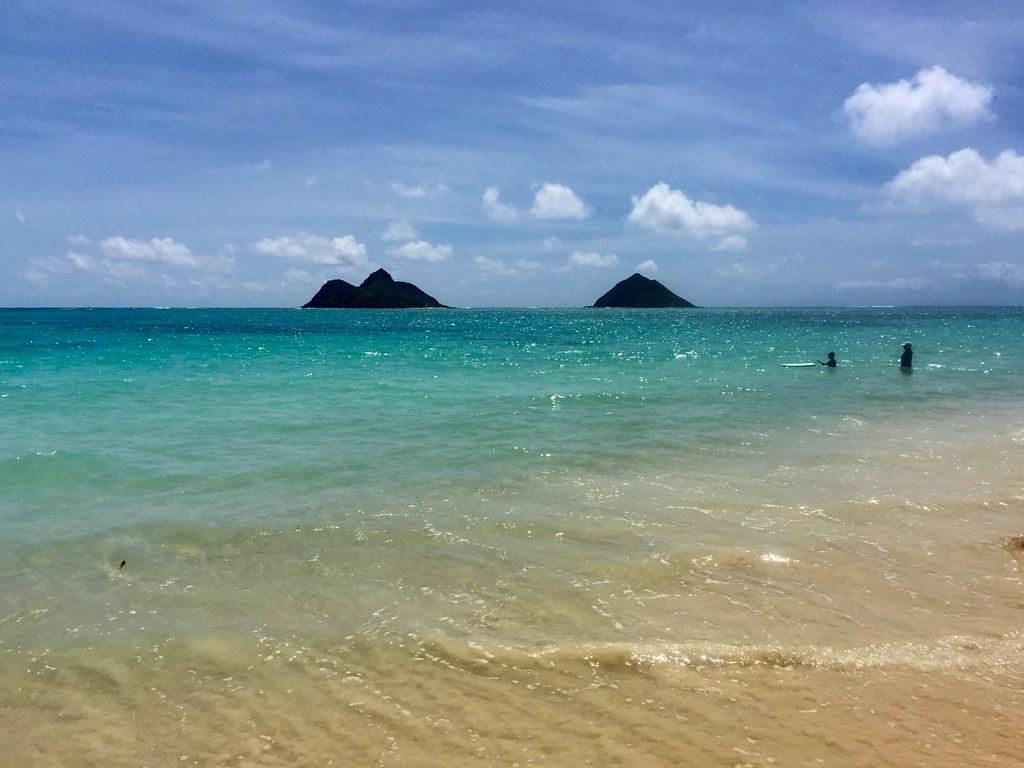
x=511, y=537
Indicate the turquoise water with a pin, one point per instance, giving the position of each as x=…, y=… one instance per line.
x=443, y=489
x=116, y=417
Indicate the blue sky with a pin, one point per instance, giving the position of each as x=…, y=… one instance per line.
x=191, y=153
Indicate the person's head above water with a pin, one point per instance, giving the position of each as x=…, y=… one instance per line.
x=907, y=356
x=831, y=355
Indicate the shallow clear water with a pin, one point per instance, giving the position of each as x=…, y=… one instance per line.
x=329, y=512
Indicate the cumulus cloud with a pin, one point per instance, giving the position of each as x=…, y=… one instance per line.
x=551, y=201
x=648, y=267
x=114, y=270
x=992, y=191
x=495, y=210
x=343, y=251
x=885, y=114
x=731, y=243
x=593, y=259
x=164, y=250
x=19, y=216
x=421, y=250
x=399, y=230
x=418, y=191
x=556, y=201
x=550, y=243
x=81, y=261
x=122, y=260
x=664, y=209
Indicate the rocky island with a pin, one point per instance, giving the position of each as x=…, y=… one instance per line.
x=378, y=291
x=637, y=291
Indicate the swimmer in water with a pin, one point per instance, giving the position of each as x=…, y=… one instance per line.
x=831, y=362
x=907, y=358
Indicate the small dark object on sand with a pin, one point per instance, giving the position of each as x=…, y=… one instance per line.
x=1015, y=543
x=122, y=564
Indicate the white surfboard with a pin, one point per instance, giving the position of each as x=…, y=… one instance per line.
x=798, y=365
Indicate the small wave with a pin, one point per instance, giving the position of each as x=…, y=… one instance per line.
x=955, y=652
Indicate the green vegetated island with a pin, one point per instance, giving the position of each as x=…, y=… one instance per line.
x=381, y=291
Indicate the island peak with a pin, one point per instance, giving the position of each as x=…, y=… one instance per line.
x=378, y=276
x=378, y=291
x=639, y=292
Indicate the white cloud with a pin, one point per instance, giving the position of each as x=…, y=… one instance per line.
x=550, y=243
x=556, y=201
x=887, y=113
x=963, y=177
x=495, y=210
x=551, y=201
x=343, y=251
x=81, y=261
x=1002, y=272
x=493, y=266
x=310, y=181
x=593, y=259
x=731, y=243
x=399, y=230
x=648, y=267
x=418, y=191
x=19, y=216
x=663, y=209
x=421, y=250
x=113, y=270
x=163, y=250
x=992, y=191
x=120, y=260
x=409, y=191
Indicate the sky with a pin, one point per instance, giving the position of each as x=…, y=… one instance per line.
x=240, y=153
